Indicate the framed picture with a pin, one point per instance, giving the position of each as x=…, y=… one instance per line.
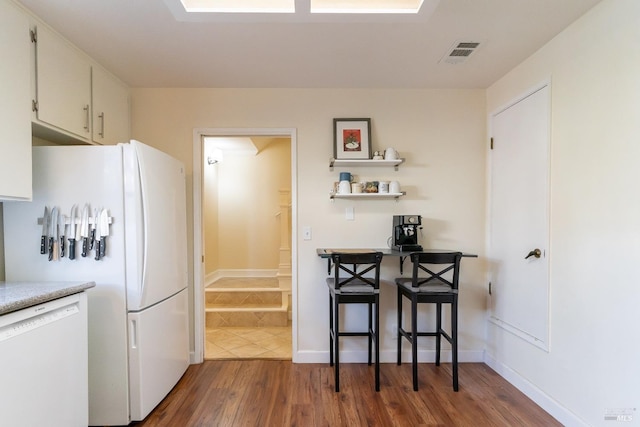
x=352, y=139
x=370, y=187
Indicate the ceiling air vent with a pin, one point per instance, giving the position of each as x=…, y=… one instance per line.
x=460, y=52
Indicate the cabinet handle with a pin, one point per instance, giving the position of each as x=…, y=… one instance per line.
x=101, y=117
x=86, y=117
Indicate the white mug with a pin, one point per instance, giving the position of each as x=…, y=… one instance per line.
x=394, y=187
x=344, y=187
x=383, y=187
x=390, y=154
x=356, y=187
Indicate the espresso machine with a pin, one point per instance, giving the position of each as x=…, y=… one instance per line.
x=405, y=232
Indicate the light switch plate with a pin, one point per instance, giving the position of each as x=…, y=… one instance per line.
x=349, y=214
x=306, y=233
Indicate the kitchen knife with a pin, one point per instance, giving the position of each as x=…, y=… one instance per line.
x=97, y=236
x=53, y=235
x=62, y=225
x=45, y=231
x=78, y=220
x=94, y=225
x=104, y=231
x=84, y=230
x=72, y=231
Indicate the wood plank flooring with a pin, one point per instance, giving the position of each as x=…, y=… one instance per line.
x=280, y=393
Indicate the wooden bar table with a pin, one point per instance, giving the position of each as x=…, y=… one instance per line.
x=386, y=252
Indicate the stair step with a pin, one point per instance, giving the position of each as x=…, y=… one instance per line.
x=242, y=289
x=258, y=297
x=245, y=307
x=246, y=316
x=246, y=302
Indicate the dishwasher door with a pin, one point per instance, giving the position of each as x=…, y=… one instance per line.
x=43, y=364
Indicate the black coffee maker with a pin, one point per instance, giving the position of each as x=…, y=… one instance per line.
x=405, y=232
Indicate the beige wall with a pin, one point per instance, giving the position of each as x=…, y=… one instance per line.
x=210, y=215
x=242, y=231
x=440, y=132
x=592, y=365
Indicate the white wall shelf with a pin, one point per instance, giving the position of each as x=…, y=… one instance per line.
x=396, y=196
x=364, y=162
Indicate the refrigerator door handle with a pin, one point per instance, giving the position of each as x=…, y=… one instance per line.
x=145, y=239
x=133, y=334
x=144, y=222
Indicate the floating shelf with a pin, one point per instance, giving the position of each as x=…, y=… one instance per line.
x=396, y=196
x=364, y=162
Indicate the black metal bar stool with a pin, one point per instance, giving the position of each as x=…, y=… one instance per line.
x=434, y=281
x=349, y=285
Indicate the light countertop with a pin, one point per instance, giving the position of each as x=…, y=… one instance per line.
x=18, y=295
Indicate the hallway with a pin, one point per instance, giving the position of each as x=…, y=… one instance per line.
x=244, y=318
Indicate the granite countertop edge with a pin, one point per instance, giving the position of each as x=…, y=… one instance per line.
x=16, y=296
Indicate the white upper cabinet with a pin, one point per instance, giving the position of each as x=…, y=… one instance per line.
x=110, y=109
x=63, y=84
x=75, y=100
x=15, y=104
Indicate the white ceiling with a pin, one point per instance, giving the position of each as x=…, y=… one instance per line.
x=143, y=43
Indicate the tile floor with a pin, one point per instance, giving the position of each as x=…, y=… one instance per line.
x=248, y=343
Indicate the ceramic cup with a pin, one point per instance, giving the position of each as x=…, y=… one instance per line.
x=383, y=187
x=344, y=187
x=345, y=176
x=394, y=187
x=390, y=154
x=356, y=187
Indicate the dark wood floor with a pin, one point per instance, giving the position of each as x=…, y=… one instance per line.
x=280, y=393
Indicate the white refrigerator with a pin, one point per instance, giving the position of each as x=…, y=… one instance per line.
x=138, y=311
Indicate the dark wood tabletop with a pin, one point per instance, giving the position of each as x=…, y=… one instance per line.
x=401, y=255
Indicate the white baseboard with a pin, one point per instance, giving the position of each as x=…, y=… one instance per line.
x=386, y=356
x=211, y=277
x=546, y=402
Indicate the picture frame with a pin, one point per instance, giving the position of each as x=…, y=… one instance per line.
x=370, y=187
x=352, y=139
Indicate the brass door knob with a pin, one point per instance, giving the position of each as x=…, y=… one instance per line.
x=536, y=253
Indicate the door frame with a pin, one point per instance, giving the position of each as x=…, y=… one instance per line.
x=198, y=241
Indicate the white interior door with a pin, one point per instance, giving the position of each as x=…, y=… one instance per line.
x=519, y=215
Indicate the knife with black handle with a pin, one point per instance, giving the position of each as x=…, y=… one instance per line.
x=92, y=238
x=98, y=241
x=53, y=227
x=104, y=231
x=72, y=232
x=84, y=230
x=62, y=225
x=45, y=231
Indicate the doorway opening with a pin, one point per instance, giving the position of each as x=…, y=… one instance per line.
x=245, y=229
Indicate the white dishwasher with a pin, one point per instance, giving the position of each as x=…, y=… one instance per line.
x=43, y=364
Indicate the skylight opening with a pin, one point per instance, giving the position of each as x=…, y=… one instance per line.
x=239, y=6
x=366, y=6
x=316, y=6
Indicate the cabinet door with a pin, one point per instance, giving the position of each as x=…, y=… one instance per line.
x=15, y=104
x=63, y=84
x=110, y=109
